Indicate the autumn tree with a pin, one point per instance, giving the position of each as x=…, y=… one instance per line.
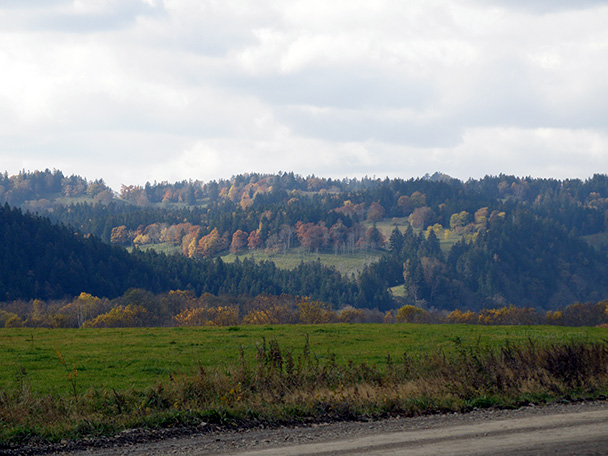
x=405, y=204
x=312, y=236
x=376, y=212
x=481, y=217
x=458, y=316
x=254, y=241
x=208, y=316
x=375, y=239
x=410, y=314
x=509, y=315
x=422, y=217
x=239, y=242
x=120, y=235
x=314, y=312
x=8, y=320
x=210, y=244
x=81, y=309
x=351, y=315
x=459, y=220
x=121, y=317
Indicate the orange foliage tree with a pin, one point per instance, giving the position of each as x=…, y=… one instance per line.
x=239, y=242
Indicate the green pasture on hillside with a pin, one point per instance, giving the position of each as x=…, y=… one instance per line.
x=387, y=225
x=140, y=357
x=345, y=263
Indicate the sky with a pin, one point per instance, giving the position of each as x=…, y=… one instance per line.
x=132, y=91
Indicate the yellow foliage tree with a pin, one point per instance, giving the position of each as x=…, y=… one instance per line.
x=554, y=317
x=314, y=312
x=275, y=314
x=120, y=317
x=389, y=317
x=82, y=308
x=458, y=316
x=351, y=315
x=208, y=316
x=410, y=314
x=8, y=319
x=509, y=315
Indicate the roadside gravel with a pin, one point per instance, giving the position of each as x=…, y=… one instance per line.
x=212, y=440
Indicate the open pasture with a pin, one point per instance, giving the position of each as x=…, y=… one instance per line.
x=137, y=358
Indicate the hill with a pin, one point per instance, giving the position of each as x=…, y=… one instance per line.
x=444, y=243
x=41, y=260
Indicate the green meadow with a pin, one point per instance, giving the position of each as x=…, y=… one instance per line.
x=345, y=263
x=138, y=358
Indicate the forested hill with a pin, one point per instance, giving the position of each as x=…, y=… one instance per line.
x=41, y=260
x=442, y=243
x=46, y=261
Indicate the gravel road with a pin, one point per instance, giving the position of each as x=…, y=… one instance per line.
x=579, y=428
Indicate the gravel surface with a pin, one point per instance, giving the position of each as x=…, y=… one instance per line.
x=212, y=440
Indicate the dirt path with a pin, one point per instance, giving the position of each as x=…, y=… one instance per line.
x=580, y=429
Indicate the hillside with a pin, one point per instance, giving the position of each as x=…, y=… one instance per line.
x=46, y=261
x=443, y=242
x=41, y=260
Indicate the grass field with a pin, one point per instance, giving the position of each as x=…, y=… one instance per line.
x=74, y=384
x=138, y=358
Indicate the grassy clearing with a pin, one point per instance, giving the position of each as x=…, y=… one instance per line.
x=346, y=264
x=398, y=291
x=387, y=225
x=447, y=242
x=165, y=247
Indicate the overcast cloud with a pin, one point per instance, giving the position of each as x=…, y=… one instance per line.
x=141, y=90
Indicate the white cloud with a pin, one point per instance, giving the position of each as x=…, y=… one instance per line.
x=178, y=89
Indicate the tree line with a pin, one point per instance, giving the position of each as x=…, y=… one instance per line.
x=140, y=308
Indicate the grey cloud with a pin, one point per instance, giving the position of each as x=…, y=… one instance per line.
x=339, y=88
x=351, y=126
x=123, y=14
x=509, y=96
x=28, y=5
x=549, y=6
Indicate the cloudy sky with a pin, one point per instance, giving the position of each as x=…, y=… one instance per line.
x=141, y=90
